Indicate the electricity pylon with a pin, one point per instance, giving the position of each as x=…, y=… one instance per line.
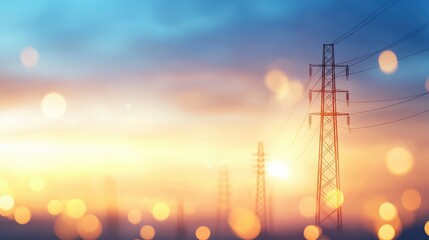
x=261, y=204
x=329, y=196
x=223, y=202
x=181, y=228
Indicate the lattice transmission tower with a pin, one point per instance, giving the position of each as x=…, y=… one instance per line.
x=223, y=203
x=261, y=203
x=329, y=195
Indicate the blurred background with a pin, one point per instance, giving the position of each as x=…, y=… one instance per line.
x=141, y=119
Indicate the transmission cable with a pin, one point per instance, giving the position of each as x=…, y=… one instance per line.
x=386, y=5
x=293, y=109
x=391, y=105
x=390, y=122
x=391, y=45
x=384, y=100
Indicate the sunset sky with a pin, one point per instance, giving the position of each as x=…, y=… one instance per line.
x=159, y=96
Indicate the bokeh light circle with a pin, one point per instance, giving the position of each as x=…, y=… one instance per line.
x=55, y=207
x=399, y=161
x=386, y=232
x=75, y=208
x=411, y=199
x=388, y=211
x=427, y=228
x=134, y=216
x=244, y=223
x=89, y=227
x=147, y=232
x=202, y=233
x=29, y=57
x=161, y=211
x=334, y=198
x=312, y=232
x=54, y=105
x=22, y=215
x=388, y=62
x=6, y=202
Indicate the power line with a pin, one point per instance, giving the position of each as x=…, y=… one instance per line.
x=386, y=5
x=385, y=100
x=391, y=45
x=293, y=110
x=390, y=122
x=391, y=105
x=402, y=58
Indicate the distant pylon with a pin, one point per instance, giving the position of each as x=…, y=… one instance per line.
x=223, y=204
x=328, y=204
x=261, y=204
x=112, y=215
x=181, y=228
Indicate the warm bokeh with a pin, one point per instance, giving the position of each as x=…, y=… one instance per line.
x=117, y=119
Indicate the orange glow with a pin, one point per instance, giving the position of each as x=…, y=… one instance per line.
x=55, y=207
x=147, y=232
x=54, y=105
x=312, y=232
x=244, y=223
x=411, y=199
x=29, y=57
x=278, y=169
x=399, y=161
x=37, y=184
x=307, y=207
x=65, y=228
x=75, y=208
x=427, y=228
x=388, y=211
x=89, y=227
x=276, y=81
x=161, y=211
x=386, y=232
x=134, y=216
x=6, y=202
x=202, y=233
x=22, y=215
x=388, y=62
x=332, y=200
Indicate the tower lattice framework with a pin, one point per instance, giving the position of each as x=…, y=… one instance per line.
x=329, y=195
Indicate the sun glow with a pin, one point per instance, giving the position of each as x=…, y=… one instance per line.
x=278, y=169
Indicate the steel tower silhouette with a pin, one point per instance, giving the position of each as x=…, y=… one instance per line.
x=328, y=211
x=261, y=204
x=223, y=203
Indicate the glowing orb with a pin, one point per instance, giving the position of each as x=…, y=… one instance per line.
x=411, y=199
x=202, y=233
x=388, y=62
x=311, y=232
x=278, y=169
x=134, y=216
x=22, y=215
x=427, y=228
x=89, y=227
x=75, y=208
x=244, y=223
x=55, y=207
x=161, y=211
x=147, y=232
x=54, y=105
x=334, y=198
x=29, y=57
x=6, y=202
x=37, y=184
x=399, y=161
x=386, y=232
x=388, y=211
